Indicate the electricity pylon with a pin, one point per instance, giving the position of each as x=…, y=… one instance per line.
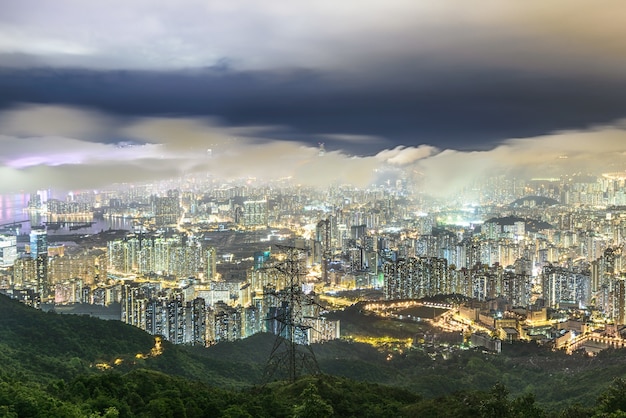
x=291, y=355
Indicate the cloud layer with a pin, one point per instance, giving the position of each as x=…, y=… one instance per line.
x=75, y=156
x=362, y=77
x=322, y=34
x=79, y=152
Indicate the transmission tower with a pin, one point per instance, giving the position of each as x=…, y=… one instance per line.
x=291, y=355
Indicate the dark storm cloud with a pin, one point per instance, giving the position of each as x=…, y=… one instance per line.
x=447, y=73
x=449, y=89
x=449, y=109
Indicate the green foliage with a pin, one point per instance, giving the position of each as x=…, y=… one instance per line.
x=613, y=400
x=47, y=370
x=312, y=405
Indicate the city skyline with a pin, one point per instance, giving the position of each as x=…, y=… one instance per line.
x=425, y=196
x=95, y=95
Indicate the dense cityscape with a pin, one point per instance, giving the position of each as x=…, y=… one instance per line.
x=312, y=209
x=537, y=259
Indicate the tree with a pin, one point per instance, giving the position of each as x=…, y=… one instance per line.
x=110, y=412
x=497, y=405
x=614, y=398
x=313, y=406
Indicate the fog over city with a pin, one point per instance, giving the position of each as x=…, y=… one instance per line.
x=328, y=208
x=68, y=147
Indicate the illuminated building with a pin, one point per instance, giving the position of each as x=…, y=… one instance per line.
x=166, y=208
x=105, y=296
x=133, y=305
x=8, y=250
x=168, y=314
x=252, y=321
x=59, y=207
x=116, y=256
x=618, y=305
x=175, y=321
x=440, y=243
x=468, y=253
x=156, y=316
x=161, y=254
x=516, y=288
x=41, y=271
x=486, y=282
x=565, y=286
x=320, y=329
x=225, y=323
x=24, y=271
x=195, y=322
x=85, y=266
x=255, y=213
x=416, y=277
x=68, y=292
x=38, y=242
x=56, y=250
x=210, y=264
x=176, y=256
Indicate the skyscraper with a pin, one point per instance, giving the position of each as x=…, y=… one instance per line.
x=39, y=253
x=167, y=208
x=38, y=241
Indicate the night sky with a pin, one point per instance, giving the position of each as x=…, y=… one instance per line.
x=94, y=92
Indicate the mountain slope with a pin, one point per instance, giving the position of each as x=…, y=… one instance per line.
x=44, y=346
x=42, y=351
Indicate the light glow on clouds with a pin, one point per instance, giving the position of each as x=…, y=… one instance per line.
x=321, y=34
x=169, y=147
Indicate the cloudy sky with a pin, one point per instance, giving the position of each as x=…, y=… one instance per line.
x=95, y=91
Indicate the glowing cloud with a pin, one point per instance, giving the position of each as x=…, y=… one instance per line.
x=171, y=147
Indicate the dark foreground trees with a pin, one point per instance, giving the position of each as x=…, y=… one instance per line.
x=145, y=393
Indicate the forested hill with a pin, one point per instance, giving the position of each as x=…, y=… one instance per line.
x=78, y=366
x=50, y=346
x=44, y=346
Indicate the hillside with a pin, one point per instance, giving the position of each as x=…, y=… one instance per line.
x=44, y=346
x=51, y=346
x=49, y=362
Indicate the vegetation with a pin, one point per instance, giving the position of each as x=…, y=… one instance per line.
x=146, y=393
x=49, y=368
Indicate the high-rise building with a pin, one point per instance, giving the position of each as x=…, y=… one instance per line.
x=167, y=208
x=39, y=253
x=8, y=250
x=255, y=212
x=38, y=241
x=85, y=265
x=156, y=317
x=176, y=320
x=516, y=288
x=210, y=264
x=195, y=322
x=176, y=256
x=565, y=286
x=618, y=304
x=24, y=272
x=416, y=277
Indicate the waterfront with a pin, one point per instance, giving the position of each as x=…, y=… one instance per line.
x=16, y=218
